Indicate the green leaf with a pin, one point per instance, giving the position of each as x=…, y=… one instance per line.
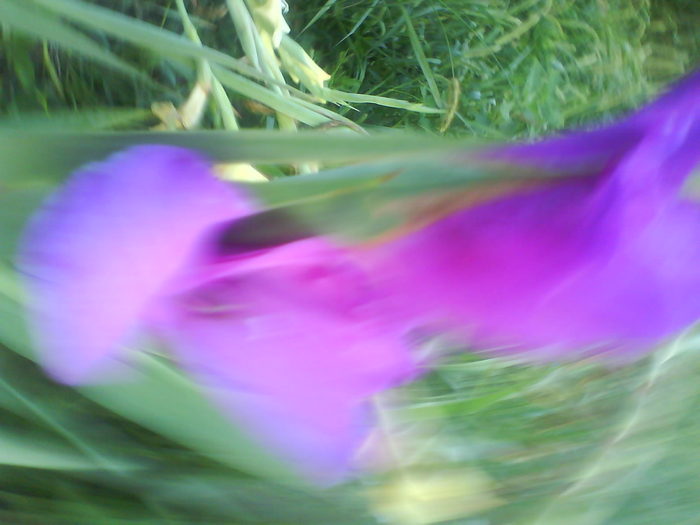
x=33, y=452
x=284, y=104
x=30, y=20
x=77, y=121
x=343, y=97
x=159, y=397
x=159, y=41
x=64, y=152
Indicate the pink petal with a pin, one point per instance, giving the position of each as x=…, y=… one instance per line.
x=291, y=345
x=106, y=243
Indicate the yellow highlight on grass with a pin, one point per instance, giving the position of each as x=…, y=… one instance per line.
x=423, y=497
x=239, y=172
x=268, y=16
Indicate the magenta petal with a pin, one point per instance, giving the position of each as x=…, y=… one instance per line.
x=539, y=274
x=107, y=242
x=292, y=351
x=605, y=263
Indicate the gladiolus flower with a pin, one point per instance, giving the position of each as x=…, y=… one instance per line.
x=284, y=339
x=603, y=261
x=292, y=340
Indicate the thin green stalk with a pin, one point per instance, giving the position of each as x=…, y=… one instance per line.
x=422, y=59
x=245, y=30
x=206, y=76
x=259, y=54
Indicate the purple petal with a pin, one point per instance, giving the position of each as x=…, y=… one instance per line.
x=592, y=150
x=291, y=344
x=107, y=242
x=681, y=97
x=604, y=263
x=540, y=273
x=583, y=152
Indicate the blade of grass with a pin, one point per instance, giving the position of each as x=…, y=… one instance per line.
x=206, y=76
x=18, y=451
x=342, y=97
x=361, y=20
x=143, y=34
x=422, y=59
x=282, y=104
x=64, y=152
x=37, y=23
x=66, y=121
x=318, y=15
x=22, y=452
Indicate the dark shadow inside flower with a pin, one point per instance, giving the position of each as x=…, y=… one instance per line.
x=259, y=231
